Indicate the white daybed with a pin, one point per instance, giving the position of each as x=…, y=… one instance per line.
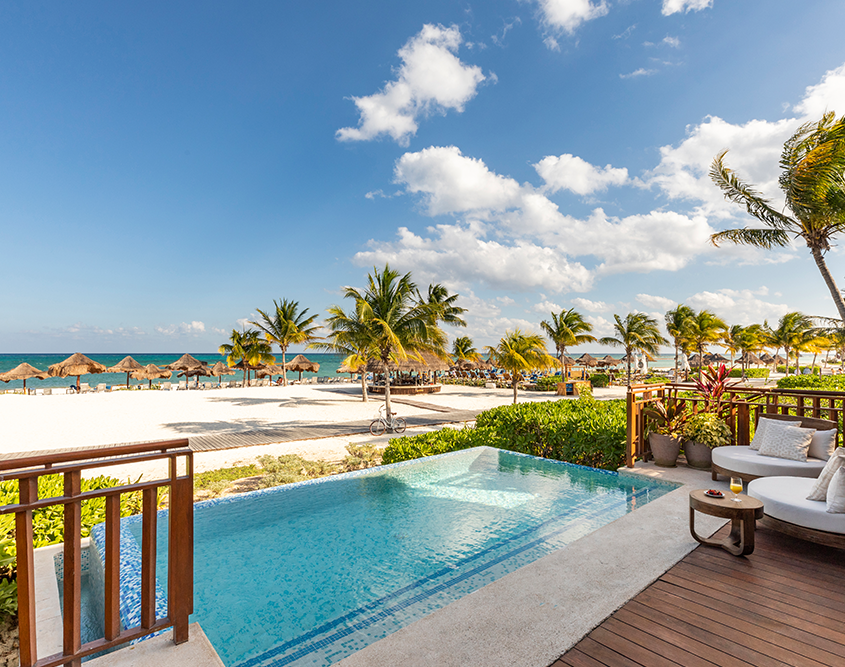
x=787, y=510
x=746, y=463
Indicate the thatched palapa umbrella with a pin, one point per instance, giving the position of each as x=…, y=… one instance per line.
x=76, y=364
x=607, y=360
x=750, y=358
x=767, y=358
x=151, y=372
x=23, y=372
x=126, y=365
x=587, y=359
x=301, y=364
x=187, y=363
x=219, y=370
x=269, y=371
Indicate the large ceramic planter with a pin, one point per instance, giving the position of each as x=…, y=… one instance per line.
x=698, y=455
x=664, y=449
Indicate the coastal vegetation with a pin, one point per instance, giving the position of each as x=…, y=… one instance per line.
x=567, y=330
x=636, y=333
x=248, y=349
x=287, y=325
x=582, y=431
x=813, y=161
x=517, y=352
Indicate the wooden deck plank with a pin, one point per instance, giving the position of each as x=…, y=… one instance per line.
x=781, y=605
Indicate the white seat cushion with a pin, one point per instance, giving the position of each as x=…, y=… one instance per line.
x=748, y=462
x=785, y=498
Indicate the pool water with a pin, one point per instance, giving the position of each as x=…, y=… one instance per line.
x=307, y=574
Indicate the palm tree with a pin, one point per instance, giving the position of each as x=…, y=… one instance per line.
x=518, y=352
x=443, y=304
x=702, y=329
x=397, y=324
x=567, y=330
x=350, y=335
x=287, y=326
x=730, y=340
x=636, y=333
x=789, y=332
x=675, y=322
x=246, y=346
x=463, y=348
x=749, y=339
x=813, y=161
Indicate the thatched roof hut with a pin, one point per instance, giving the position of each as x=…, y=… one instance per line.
x=587, y=359
x=23, y=372
x=428, y=362
x=76, y=364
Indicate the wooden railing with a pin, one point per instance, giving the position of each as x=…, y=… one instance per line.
x=746, y=407
x=70, y=465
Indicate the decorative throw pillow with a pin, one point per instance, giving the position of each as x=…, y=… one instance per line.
x=836, y=493
x=763, y=425
x=822, y=444
x=790, y=442
x=834, y=463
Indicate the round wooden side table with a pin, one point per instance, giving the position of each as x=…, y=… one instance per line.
x=743, y=516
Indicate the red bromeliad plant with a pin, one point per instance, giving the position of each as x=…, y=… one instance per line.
x=712, y=387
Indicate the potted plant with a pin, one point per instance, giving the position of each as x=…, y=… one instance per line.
x=703, y=432
x=664, y=439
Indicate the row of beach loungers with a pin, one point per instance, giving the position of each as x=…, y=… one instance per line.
x=85, y=388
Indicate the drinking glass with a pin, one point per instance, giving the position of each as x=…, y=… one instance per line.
x=736, y=487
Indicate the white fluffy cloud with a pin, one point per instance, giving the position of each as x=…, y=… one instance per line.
x=431, y=79
x=567, y=15
x=642, y=71
x=656, y=302
x=592, y=306
x=183, y=329
x=755, y=149
x=676, y=6
x=738, y=306
x=547, y=307
x=569, y=172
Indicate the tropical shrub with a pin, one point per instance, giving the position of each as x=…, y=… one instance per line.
x=600, y=379
x=583, y=431
x=829, y=382
x=815, y=369
x=708, y=429
x=749, y=373
x=548, y=382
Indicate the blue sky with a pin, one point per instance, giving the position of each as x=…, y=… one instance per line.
x=167, y=168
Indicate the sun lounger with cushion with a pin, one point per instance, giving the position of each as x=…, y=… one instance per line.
x=746, y=463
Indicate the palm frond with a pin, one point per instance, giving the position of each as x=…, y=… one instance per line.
x=759, y=238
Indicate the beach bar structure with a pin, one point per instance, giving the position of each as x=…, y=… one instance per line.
x=402, y=378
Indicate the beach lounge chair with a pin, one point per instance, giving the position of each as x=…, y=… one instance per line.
x=101, y=387
x=48, y=392
x=165, y=386
x=183, y=384
x=85, y=388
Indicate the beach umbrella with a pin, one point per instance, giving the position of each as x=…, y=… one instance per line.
x=778, y=360
x=607, y=360
x=750, y=358
x=188, y=363
x=219, y=370
x=151, y=372
x=76, y=364
x=587, y=360
x=23, y=372
x=302, y=364
x=695, y=360
x=270, y=371
x=126, y=365
x=767, y=358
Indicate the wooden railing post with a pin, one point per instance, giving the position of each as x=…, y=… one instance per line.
x=112, y=567
x=26, y=572
x=181, y=551
x=629, y=443
x=72, y=634
x=148, y=557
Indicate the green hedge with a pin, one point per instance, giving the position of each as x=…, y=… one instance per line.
x=548, y=383
x=816, y=370
x=831, y=382
x=600, y=379
x=582, y=431
x=749, y=373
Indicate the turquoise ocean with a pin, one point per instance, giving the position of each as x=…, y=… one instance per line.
x=329, y=363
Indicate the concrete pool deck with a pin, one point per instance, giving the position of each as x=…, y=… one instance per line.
x=533, y=615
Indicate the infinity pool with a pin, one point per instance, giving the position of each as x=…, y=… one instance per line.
x=308, y=573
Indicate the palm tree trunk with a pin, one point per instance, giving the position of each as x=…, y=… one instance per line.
x=676, y=361
x=284, y=367
x=364, y=396
x=628, y=355
x=562, y=353
x=828, y=280
x=515, y=383
x=786, y=351
x=386, y=388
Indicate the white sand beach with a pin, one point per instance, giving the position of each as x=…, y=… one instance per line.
x=35, y=423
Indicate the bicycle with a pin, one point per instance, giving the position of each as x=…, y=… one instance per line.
x=390, y=423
